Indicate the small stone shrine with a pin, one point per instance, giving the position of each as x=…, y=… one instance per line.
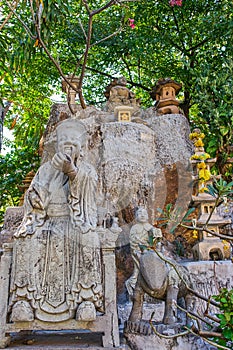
x=75, y=256
x=164, y=93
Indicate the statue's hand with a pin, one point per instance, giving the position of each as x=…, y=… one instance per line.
x=58, y=161
x=35, y=200
x=64, y=163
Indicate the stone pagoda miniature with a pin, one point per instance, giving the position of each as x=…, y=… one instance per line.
x=165, y=93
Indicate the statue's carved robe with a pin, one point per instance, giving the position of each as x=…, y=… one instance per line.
x=57, y=262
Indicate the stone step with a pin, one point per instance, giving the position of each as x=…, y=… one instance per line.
x=65, y=340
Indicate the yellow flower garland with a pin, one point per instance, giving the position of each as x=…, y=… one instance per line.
x=203, y=173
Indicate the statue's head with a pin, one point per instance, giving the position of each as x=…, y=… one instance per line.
x=71, y=135
x=142, y=215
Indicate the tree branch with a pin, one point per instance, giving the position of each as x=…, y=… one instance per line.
x=167, y=336
x=178, y=28
x=86, y=6
x=113, y=77
x=207, y=340
x=186, y=284
x=128, y=68
x=57, y=66
x=215, y=319
x=9, y=15
x=81, y=26
x=32, y=12
x=21, y=21
x=109, y=4
x=88, y=43
x=107, y=37
x=193, y=316
x=230, y=238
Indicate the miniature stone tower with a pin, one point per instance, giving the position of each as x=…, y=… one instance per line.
x=165, y=95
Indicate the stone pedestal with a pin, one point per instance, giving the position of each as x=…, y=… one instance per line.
x=107, y=323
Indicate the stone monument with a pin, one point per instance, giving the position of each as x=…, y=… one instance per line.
x=58, y=268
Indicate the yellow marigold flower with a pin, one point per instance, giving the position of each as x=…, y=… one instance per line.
x=202, y=135
x=195, y=156
x=193, y=135
x=201, y=165
x=207, y=174
x=201, y=174
x=199, y=143
x=202, y=156
x=226, y=247
x=204, y=174
x=195, y=234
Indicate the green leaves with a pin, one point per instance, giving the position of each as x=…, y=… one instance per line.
x=172, y=218
x=13, y=168
x=220, y=188
x=192, y=44
x=225, y=299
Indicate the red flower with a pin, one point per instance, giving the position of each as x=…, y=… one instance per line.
x=175, y=2
x=131, y=23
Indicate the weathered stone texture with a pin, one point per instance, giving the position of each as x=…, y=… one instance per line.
x=154, y=342
x=209, y=277
x=12, y=219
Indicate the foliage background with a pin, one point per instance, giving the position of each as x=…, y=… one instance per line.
x=192, y=44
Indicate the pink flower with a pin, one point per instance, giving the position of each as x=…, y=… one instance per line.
x=175, y=2
x=131, y=23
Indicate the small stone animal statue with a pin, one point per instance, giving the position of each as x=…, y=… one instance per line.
x=160, y=280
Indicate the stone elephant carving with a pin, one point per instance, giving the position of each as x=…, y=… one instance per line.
x=160, y=280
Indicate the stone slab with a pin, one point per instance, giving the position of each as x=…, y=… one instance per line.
x=59, y=340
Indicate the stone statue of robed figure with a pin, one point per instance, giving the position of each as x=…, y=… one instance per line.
x=56, y=271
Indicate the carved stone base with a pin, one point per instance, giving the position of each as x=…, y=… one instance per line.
x=86, y=312
x=22, y=311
